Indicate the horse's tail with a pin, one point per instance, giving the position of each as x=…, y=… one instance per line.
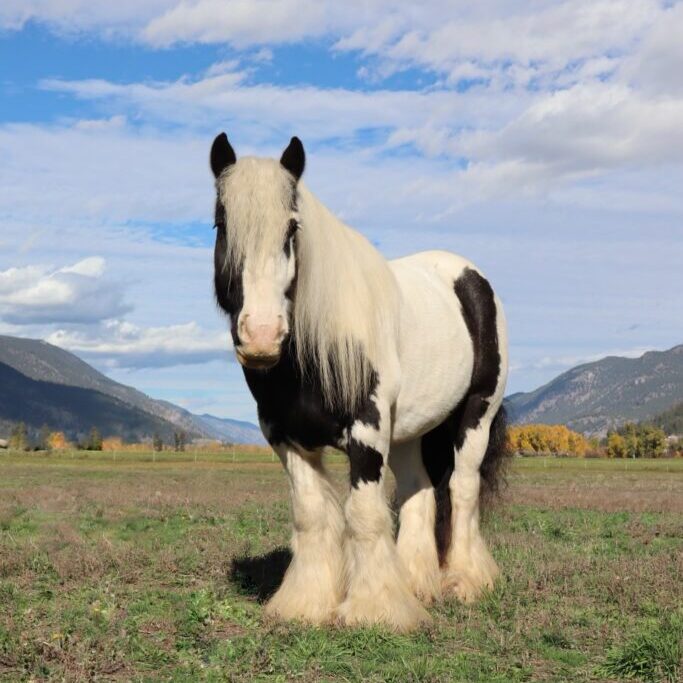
x=494, y=465
x=439, y=459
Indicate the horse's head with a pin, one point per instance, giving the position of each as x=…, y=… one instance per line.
x=255, y=252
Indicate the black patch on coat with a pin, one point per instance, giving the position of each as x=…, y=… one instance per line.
x=479, y=311
x=227, y=277
x=438, y=459
x=365, y=463
x=292, y=405
x=368, y=413
x=222, y=155
x=439, y=445
x=290, y=235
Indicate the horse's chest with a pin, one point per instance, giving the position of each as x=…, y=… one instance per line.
x=294, y=412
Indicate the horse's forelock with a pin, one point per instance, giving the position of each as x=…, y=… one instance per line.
x=259, y=199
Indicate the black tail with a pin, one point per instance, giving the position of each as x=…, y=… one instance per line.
x=439, y=461
x=494, y=465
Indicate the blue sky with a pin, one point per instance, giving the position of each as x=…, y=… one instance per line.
x=542, y=140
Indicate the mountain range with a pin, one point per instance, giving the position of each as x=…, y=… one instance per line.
x=44, y=384
x=594, y=397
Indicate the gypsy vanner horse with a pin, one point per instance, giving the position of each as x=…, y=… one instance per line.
x=397, y=363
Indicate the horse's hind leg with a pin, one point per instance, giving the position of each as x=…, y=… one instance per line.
x=313, y=585
x=416, y=542
x=470, y=568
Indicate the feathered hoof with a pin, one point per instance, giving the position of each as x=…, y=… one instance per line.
x=401, y=617
x=467, y=586
x=314, y=610
x=423, y=578
x=426, y=588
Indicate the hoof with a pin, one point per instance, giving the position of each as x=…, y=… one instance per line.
x=283, y=607
x=403, y=617
x=468, y=585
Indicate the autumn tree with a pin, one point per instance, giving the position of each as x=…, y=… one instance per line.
x=58, y=441
x=616, y=446
x=538, y=439
x=113, y=443
x=18, y=439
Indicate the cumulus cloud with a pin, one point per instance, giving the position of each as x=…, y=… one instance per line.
x=501, y=43
x=79, y=293
x=504, y=44
x=542, y=134
x=249, y=22
x=121, y=344
x=101, y=173
x=656, y=66
x=317, y=113
x=121, y=18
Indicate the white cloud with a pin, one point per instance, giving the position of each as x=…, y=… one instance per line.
x=315, y=113
x=510, y=44
x=102, y=174
x=121, y=18
x=74, y=294
x=117, y=343
x=249, y=22
x=656, y=66
x=504, y=43
x=557, y=168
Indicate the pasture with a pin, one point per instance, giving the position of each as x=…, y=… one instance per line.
x=118, y=567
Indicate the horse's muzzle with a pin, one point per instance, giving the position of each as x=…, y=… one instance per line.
x=258, y=360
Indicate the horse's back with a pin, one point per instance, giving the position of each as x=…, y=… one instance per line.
x=436, y=345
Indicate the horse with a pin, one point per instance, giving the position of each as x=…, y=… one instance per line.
x=400, y=364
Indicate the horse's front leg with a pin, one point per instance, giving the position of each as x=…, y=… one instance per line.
x=378, y=588
x=313, y=585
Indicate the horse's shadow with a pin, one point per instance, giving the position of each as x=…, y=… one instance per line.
x=260, y=576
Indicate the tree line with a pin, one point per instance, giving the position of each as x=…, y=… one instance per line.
x=47, y=440
x=632, y=440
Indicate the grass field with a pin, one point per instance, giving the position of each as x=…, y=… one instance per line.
x=116, y=567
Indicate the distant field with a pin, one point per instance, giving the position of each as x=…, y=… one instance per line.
x=143, y=567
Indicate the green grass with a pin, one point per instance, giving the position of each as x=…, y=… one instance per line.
x=123, y=570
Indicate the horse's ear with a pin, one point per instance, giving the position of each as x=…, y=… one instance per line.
x=222, y=154
x=294, y=158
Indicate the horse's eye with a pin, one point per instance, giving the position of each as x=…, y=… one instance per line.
x=291, y=229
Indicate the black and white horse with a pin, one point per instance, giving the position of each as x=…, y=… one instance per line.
x=400, y=364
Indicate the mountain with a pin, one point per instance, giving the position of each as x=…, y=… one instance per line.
x=235, y=431
x=44, y=384
x=594, y=397
x=71, y=409
x=671, y=421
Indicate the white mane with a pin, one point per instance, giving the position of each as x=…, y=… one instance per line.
x=346, y=303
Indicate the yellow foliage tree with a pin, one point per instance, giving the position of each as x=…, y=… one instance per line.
x=58, y=441
x=112, y=443
x=538, y=439
x=616, y=446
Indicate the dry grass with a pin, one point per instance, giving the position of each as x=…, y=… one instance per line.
x=146, y=571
